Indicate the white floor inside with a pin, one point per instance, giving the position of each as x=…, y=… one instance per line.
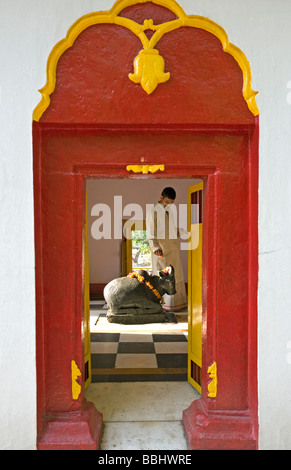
x=142, y=415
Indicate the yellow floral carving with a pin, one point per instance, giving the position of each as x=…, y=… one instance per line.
x=149, y=69
x=145, y=169
x=212, y=386
x=149, y=24
x=76, y=388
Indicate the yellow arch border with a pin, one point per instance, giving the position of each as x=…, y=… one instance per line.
x=111, y=17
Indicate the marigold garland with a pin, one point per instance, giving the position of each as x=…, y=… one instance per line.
x=147, y=283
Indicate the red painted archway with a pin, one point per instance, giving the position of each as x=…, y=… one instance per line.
x=201, y=121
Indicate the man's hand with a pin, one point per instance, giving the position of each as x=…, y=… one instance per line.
x=159, y=253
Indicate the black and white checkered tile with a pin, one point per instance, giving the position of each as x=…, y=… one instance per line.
x=138, y=356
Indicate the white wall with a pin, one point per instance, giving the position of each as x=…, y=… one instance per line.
x=29, y=30
x=105, y=255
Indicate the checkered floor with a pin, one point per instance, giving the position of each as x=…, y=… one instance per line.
x=122, y=353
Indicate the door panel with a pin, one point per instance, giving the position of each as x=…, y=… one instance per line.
x=195, y=227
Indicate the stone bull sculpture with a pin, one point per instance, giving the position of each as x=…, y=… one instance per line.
x=138, y=298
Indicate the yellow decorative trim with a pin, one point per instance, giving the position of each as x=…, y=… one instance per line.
x=212, y=386
x=76, y=387
x=154, y=72
x=145, y=169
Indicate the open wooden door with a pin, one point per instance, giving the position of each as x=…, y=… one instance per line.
x=195, y=202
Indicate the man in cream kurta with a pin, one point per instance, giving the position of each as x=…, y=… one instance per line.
x=163, y=240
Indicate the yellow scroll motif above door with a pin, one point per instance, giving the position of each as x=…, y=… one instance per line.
x=149, y=65
x=145, y=169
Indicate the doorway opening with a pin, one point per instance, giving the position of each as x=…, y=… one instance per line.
x=116, y=210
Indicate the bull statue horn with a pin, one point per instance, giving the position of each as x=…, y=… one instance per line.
x=168, y=270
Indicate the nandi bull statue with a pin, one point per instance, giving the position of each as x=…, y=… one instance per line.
x=138, y=297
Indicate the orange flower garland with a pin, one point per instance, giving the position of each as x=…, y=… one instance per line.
x=147, y=283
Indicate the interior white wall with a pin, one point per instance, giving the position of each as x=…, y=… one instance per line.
x=28, y=32
x=105, y=254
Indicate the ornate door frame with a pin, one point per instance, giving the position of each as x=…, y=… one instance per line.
x=220, y=147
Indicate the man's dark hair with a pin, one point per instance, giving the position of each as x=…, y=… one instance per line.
x=169, y=192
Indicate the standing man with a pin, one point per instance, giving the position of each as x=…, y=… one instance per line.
x=163, y=240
